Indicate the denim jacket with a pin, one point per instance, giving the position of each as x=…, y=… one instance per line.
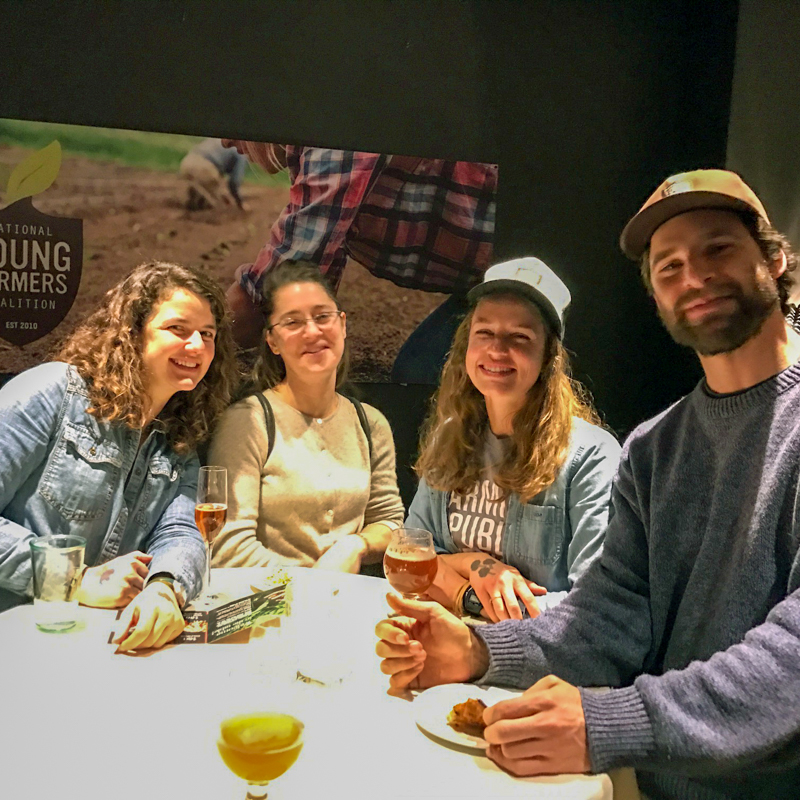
x=554, y=537
x=64, y=471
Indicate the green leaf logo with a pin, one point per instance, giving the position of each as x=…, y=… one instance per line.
x=34, y=174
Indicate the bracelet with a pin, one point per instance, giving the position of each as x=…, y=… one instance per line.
x=178, y=592
x=458, y=603
x=168, y=579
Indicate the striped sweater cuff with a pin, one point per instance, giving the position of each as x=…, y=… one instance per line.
x=506, y=660
x=617, y=728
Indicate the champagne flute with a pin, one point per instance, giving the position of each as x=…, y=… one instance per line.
x=259, y=747
x=211, y=511
x=410, y=562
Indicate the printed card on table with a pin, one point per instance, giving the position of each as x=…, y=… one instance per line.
x=231, y=622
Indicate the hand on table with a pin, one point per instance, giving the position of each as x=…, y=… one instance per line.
x=427, y=646
x=115, y=583
x=151, y=619
x=343, y=556
x=541, y=732
x=501, y=588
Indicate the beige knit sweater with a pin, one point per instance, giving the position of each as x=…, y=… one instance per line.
x=316, y=487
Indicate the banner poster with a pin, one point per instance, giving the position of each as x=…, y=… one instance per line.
x=401, y=239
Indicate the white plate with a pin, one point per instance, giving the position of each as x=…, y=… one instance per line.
x=432, y=706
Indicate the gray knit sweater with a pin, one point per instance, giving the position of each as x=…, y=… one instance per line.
x=693, y=610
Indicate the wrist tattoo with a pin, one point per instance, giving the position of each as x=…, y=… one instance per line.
x=106, y=576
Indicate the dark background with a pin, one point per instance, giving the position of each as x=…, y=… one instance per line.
x=765, y=110
x=585, y=104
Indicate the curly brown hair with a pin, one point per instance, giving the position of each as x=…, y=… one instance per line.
x=269, y=369
x=770, y=242
x=452, y=442
x=107, y=350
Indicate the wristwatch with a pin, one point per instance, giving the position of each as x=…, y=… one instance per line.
x=174, y=583
x=472, y=605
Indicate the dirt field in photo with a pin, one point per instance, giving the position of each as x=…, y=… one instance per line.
x=132, y=215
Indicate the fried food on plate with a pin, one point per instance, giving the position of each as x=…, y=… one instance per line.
x=467, y=717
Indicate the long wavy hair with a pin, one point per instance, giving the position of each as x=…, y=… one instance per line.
x=107, y=351
x=453, y=438
x=269, y=370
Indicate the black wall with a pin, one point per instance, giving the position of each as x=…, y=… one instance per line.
x=587, y=105
x=764, y=136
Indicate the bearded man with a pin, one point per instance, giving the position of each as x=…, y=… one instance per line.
x=692, y=613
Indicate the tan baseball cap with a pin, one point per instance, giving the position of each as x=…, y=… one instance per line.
x=532, y=279
x=686, y=191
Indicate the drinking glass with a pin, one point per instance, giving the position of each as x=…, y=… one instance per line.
x=259, y=747
x=313, y=628
x=57, y=565
x=210, y=512
x=410, y=562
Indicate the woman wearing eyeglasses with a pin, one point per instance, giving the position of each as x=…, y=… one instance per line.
x=323, y=492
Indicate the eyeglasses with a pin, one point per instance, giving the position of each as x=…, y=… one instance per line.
x=324, y=320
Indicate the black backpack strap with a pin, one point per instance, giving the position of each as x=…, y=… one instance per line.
x=269, y=421
x=362, y=418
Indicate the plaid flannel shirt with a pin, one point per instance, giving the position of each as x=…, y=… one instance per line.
x=422, y=223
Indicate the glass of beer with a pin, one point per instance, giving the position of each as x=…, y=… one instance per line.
x=259, y=747
x=410, y=562
x=211, y=511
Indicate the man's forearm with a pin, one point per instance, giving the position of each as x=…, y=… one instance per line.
x=735, y=710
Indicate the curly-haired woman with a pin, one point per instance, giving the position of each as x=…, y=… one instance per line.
x=515, y=471
x=101, y=443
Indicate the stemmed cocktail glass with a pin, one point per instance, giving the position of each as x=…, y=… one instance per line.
x=211, y=511
x=259, y=747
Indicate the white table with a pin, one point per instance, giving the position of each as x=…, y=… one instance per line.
x=78, y=721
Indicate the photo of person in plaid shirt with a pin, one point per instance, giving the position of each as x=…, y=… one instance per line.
x=421, y=223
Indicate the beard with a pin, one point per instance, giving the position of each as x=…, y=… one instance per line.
x=724, y=331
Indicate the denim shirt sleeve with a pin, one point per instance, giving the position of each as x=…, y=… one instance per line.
x=175, y=542
x=30, y=407
x=425, y=513
x=592, y=473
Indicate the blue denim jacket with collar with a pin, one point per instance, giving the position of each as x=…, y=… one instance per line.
x=64, y=471
x=554, y=537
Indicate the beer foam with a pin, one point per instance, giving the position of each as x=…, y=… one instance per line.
x=409, y=553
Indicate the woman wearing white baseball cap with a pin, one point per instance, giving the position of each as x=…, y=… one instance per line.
x=515, y=472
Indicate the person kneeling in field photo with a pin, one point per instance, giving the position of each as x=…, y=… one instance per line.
x=100, y=442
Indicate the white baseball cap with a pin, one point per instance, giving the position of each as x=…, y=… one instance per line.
x=532, y=279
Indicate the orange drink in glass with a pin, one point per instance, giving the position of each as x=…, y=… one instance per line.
x=259, y=747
